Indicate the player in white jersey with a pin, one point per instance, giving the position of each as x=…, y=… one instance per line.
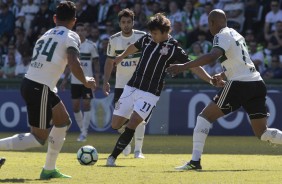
x=117, y=44
x=244, y=87
x=89, y=62
x=47, y=115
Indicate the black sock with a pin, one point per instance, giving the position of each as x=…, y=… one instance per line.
x=123, y=141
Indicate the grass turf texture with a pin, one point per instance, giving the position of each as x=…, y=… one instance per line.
x=226, y=160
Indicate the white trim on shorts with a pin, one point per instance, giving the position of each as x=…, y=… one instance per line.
x=224, y=94
x=43, y=107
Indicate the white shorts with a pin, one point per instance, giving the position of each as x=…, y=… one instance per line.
x=133, y=99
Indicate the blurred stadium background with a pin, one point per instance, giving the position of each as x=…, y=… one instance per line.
x=23, y=21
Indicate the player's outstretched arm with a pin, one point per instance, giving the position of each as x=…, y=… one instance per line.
x=74, y=65
x=66, y=77
x=210, y=57
x=96, y=69
x=108, y=68
x=131, y=49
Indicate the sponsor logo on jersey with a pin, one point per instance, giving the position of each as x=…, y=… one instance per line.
x=54, y=32
x=128, y=63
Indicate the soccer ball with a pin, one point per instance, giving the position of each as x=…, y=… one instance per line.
x=87, y=155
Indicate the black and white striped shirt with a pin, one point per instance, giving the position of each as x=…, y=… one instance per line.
x=155, y=58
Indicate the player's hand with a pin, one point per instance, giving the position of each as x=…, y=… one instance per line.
x=106, y=88
x=90, y=83
x=175, y=69
x=217, y=80
x=118, y=59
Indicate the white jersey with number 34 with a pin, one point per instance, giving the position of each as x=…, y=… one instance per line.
x=236, y=61
x=49, y=57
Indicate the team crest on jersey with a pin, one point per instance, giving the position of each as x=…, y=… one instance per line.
x=164, y=50
x=128, y=43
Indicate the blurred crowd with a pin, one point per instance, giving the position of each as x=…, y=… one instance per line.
x=259, y=21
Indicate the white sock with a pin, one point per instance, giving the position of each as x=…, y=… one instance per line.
x=19, y=142
x=86, y=122
x=55, y=144
x=272, y=135
x=139, y=136
x=78, y=118
x=200, y=134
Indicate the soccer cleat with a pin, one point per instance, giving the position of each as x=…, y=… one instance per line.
x=81, y=138
x=55, y=173
x=138, y=154
x=192, y=165
x=111, y=161
x=127, y=150
x=2, y=161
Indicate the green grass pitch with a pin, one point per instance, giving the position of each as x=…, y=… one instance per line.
x=226, y=160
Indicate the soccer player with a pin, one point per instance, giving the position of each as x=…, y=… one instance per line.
x=117, y=44
x=55, y=49
x=2, y=161
x=140, y=95
x=89, y=62
x=244, y=87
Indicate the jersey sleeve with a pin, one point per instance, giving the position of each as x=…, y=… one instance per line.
x=73, y=41
x=180, y=55
x=140, y=42
x=111, y=49
x=222, y=41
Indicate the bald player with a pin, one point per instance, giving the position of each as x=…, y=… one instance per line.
x=243, y=87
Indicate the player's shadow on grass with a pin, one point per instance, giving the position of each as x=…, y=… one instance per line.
x=226, y=170
x=16, y=180
x=236, y=170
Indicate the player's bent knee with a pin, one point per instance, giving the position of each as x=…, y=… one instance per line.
x=116, y=126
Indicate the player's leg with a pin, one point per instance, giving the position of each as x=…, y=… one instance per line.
x=117, y=94
x=2, y=161
x=142, y=109
x=256, y=109
x=61, y=123
x=127, y=149
x=125, y=137
x=78, y=116
x=76, y=95
x=223, y=103
x=34, y=95
x=139, y=137
x=86, y=102
x=23, y=141
x=204, y=120
x=265, y=133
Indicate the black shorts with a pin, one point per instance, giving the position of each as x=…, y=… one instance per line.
x=80, y=91
x=117, y=94
x=40, y=101
x=250, y=95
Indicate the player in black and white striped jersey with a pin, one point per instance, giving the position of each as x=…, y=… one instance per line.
x=140, y=95
x=124, y=70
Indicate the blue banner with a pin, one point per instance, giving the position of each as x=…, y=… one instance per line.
x=176, y=113
x=13, y=113
x=185, y=106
